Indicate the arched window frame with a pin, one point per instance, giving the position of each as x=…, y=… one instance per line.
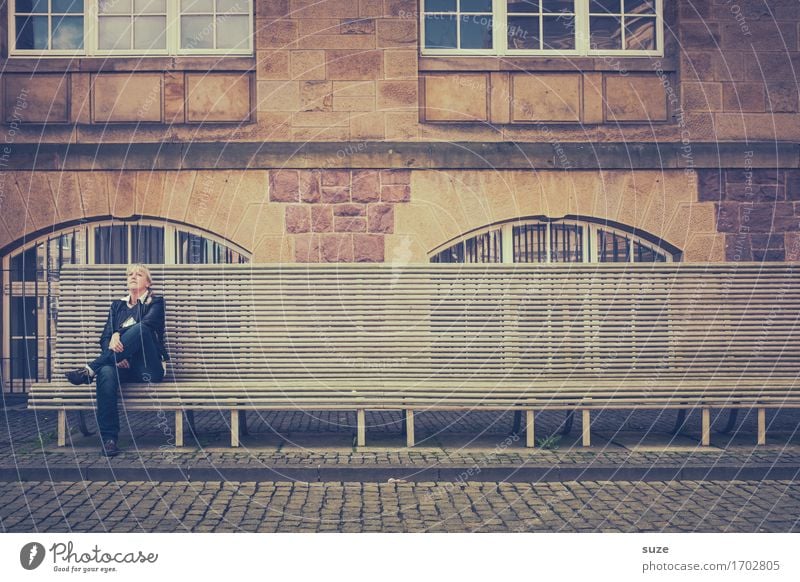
x=590, y=242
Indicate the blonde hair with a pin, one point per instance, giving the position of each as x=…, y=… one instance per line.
x=142, y=268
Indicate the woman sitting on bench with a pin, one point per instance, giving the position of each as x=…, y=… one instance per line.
x=133, y=350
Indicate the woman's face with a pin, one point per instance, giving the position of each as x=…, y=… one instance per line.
x=137, y=282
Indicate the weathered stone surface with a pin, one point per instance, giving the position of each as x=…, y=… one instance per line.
x=308, y=64
x=778, y=217
x=316, y=96
x=336, y=248
x=368, y=248
x=728, y=217
x=710, y=185
x=635, y=98
x=744, y=97
x=737, y=248
x=793, y=185
x=395, y=193
x=354, y=64
x=218, y=97
x=307, y=248
x=273, y=64
x=366, y=186
x=321, y=218
x=284, y=186
x=380, y=218
x=309, y=185
x=36, y=98
x=350, y=210
x=395, y=177
x=357, y=26
x=349, y=224
x=472, y=104
x=119, y=97
x=397, y=33
x=335, y=195
x=336, y=178
x=298, y=218
x=544, y=97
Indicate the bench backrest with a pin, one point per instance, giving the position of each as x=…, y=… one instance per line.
x=467, y=321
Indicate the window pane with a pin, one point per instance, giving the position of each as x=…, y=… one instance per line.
x=32, y=33
x=566, y=243
x=640, y=6
x=559, y=6
x=476, y=5
x=67, y=6
x=523, y=32
x=68, y=32
x=148, y=244
x=114, y=32
x=149, y=32
x=612, y=248
x=233, y=6
x=440, y=5
x=643, y=254
x=31, y=6
x=197, y=6
x=605, y=33
x=440, y=31
x=197, y=32
x=114, y=6
x=605, y=6
x=530, y=242
x=23, y=266
x=640, y=33
x=559, y=32
x=232, y=32
x=111, y=245
x=476, y=32
x=523, y=6
x=149, y=6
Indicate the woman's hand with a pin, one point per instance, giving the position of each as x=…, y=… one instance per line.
x=123, y=364
x=115, y=345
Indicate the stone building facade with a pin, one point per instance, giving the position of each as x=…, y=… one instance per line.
x=341, y=130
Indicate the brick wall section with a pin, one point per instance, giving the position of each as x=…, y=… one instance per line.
x=339, y=215
x=739, y=63
x=758, y=210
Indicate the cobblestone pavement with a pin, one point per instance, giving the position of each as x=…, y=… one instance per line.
x=592, y=506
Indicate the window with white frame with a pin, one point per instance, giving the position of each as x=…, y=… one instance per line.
x=130, y=27
x=542, y=27
x=553, y=241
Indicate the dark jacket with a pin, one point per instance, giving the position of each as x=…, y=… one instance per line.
x=150, y=314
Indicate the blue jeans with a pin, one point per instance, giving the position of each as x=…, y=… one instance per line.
x=144, y=358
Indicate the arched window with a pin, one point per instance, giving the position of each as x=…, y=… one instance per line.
x=30, y=276
x=562, y=240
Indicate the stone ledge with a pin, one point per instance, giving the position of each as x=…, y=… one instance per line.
x=409, y=155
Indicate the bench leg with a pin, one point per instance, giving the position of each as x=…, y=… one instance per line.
x=82, y=424
x=234, y=428
x=517, y=422
x=529, y=434
x=243, y=422
x=568, y=419
x=587, y=428
x=679, y=421
x=732, y=416
x=762, y=426
x=361, y=428
x=706, y=428
x=179, y=428
x=409, y=428
x=62, y=428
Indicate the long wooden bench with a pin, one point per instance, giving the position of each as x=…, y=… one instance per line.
x=450, y=337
